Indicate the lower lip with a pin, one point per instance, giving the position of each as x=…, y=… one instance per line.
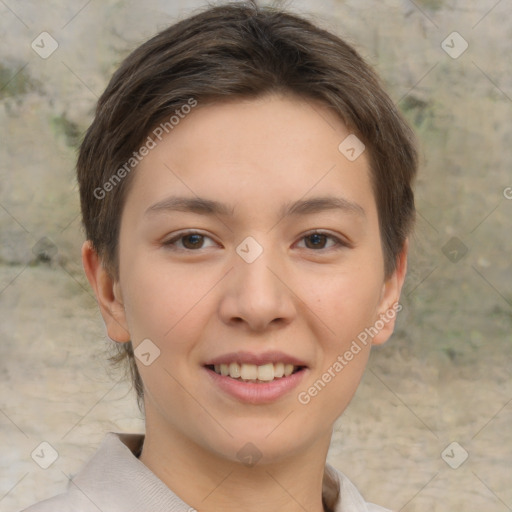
x=257, y=393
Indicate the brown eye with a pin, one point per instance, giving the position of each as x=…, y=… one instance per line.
x=187, y=241
x=318, y=241
x=193, y=241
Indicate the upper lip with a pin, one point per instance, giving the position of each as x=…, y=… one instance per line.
x=244, y=357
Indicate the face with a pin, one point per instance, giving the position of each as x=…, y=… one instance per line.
x=249, y=243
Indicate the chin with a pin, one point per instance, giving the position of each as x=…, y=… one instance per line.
x=269, y=443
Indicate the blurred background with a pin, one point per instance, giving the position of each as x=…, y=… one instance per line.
x=429, y=428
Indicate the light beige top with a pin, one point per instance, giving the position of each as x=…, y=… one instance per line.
x=115, y=480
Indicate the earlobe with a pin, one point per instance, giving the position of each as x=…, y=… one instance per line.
x=108, y=294
x=389, y=306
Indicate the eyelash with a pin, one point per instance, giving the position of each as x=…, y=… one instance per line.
x=339, y=243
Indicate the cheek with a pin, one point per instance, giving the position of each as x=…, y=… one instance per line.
x=346, y=303
x=347, y=306
x=163, y=309
x=159, y=300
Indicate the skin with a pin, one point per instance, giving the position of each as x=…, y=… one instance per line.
x=199, y=303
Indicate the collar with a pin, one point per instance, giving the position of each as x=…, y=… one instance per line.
x=115, y=479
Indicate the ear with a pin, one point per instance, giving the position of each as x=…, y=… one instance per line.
x=108, y=294
x=388, y=305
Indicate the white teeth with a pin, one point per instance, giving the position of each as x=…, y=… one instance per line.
x=250, y=372
x=278, y=370
x=266, y=372
x=234, y=370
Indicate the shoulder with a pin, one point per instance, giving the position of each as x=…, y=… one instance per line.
x=376, y=508
x=102, y=482
x=115, y=480
x=66, y=502
x=350, y=499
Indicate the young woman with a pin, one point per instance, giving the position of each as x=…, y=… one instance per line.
x=246, y=194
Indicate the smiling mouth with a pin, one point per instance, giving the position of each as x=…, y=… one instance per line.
x=253, y=373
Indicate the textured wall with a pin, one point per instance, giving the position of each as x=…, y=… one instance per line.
x=445, y=376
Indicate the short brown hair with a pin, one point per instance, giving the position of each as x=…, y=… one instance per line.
x=241, y=50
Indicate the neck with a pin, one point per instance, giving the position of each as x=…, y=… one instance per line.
x=210, y=482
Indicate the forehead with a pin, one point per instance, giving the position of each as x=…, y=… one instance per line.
x=261, y=153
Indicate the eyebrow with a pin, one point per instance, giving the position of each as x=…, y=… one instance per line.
x=203, y=206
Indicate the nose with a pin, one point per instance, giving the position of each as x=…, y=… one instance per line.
x=256, y=294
